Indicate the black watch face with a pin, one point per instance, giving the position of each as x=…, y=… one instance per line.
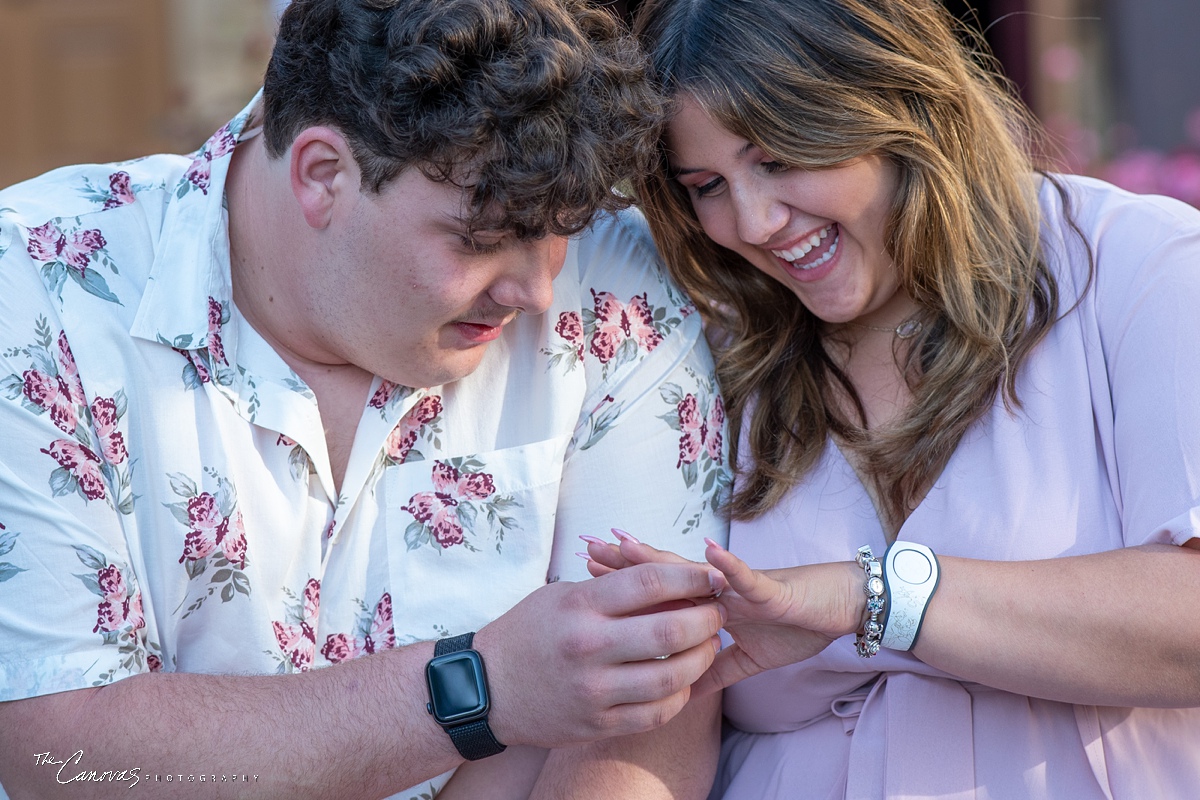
x=457, y=687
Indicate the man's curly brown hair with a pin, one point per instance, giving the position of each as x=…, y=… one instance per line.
x=540, y=108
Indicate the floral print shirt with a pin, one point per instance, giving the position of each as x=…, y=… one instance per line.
x=166, y=500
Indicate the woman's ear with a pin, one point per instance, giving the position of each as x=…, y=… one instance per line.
x=323, y=173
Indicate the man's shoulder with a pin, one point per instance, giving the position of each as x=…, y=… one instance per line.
x=617, y=255
x=620, y=235
x=81, y=190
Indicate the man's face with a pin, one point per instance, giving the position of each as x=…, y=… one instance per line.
x=409, y=297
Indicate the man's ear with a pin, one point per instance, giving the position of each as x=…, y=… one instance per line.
x=323, y=172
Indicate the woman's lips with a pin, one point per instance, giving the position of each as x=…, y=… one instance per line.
x=813, y=250
x=817, y=261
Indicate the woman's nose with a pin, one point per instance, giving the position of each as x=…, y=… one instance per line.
x=759, y=215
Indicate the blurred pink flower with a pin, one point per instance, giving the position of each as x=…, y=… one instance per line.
x=1061, y=63
x=1134, y=170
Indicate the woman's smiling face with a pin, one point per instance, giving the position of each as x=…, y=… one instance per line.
x=818, y=232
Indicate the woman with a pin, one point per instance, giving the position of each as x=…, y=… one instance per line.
x=924, y=339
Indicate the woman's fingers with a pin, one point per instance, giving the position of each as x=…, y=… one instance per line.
x=626, y=552
x=730, y=666
x=595, y=568
x=750, y=584
x=606, y=554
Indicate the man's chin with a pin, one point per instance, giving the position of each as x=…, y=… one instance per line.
x=448, y=368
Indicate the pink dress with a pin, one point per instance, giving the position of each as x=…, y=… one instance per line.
x=1104, y=454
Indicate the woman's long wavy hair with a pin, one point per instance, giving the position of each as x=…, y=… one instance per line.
x=815, y=83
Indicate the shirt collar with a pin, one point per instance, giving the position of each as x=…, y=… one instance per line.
x=191, y=266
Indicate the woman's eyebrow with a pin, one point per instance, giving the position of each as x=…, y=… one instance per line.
x=674, y=172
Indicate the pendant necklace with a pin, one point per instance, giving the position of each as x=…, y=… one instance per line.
x=905, y=330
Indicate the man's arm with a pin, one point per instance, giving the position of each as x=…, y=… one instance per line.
x=650, y=458
x=360, y=729
x=675, y=761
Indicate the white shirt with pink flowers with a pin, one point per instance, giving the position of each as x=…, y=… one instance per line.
x=166, y=502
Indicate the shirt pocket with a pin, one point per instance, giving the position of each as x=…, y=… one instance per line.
x=469, y=537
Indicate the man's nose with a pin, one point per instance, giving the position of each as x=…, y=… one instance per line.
x=529, y=282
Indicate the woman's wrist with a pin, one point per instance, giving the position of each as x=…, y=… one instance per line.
x=867, y=639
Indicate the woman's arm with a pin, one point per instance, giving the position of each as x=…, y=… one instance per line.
x=1102, y=629
x=1110, y=628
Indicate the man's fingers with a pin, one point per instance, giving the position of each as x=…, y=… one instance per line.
x=643, y=585
x=666, y=632
x=631, y=718
x=655, y=679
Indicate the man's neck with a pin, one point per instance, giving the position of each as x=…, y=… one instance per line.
x=267, y=257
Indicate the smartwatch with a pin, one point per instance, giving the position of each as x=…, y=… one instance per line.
x=458, y=697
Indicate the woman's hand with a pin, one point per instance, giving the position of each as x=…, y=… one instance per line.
x=775, y=617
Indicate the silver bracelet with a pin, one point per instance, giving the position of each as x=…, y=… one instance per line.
x=867, y=642
x=911, y=575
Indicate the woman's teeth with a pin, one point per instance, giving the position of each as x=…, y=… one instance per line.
x=805, y=247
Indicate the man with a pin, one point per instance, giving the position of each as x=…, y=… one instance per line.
x=337, y=388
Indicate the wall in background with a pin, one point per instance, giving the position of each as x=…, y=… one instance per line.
x=1116, y=82
x=106, y=80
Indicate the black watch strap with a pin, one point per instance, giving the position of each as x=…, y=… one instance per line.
x=474, y=740
x=453, y=644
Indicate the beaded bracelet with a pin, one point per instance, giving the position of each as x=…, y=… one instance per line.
x=867, y=642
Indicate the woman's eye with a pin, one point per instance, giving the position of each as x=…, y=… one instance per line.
x=771, y=167
x=705, y=189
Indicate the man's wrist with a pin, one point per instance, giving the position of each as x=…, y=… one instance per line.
x=459, y=696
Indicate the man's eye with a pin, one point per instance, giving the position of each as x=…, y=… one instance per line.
x=480, y=247
x=771, y=167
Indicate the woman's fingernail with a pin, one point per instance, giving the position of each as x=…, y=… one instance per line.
x=624, y=537
x=593, y=540
x=711, y=543
x=716, y=581
x=584, y=556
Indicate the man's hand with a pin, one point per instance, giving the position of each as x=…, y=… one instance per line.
x=578, y=662
x=775, y=617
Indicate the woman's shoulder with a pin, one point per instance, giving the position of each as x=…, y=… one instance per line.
x=1106, y=213
x=1099, y=234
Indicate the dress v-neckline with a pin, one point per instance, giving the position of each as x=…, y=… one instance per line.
x=868, y=491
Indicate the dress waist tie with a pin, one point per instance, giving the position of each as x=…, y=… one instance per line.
x=911, y=739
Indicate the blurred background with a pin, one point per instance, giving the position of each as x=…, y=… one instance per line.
x=1116, y=82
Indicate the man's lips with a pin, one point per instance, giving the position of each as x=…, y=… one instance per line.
x=482, y=331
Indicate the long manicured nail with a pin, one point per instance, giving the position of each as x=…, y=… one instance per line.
x=711, y=543
x=584, y=556
x=717, y=582
x=593, y=540
x=624, y=537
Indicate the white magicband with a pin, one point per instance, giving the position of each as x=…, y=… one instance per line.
x=910, y=573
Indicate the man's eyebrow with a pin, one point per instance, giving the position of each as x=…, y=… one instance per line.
x=675, y=172
x=481, y=224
